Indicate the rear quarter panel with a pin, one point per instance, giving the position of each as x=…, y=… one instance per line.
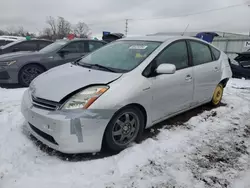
x=225, y=67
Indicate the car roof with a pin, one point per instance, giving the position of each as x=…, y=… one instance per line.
x=7, y=39
x=157, y=38
x=85, y=39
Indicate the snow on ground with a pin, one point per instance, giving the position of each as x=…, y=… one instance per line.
x=209, y=150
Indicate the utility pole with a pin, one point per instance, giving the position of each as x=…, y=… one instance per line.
x=126, y=27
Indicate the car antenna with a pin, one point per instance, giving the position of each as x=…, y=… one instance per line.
x=185, y=30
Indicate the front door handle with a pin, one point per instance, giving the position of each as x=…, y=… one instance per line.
x=188, y=78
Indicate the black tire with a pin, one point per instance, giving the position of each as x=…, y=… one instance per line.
x=110, y=141
x=28, y=73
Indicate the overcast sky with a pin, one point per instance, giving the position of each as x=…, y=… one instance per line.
x=110, y=15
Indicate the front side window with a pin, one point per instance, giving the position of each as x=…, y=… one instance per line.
x=54, y=46
x=2, y=42
x=174, y=54
x=121, y=55
x=74, y=47
x=200, y=53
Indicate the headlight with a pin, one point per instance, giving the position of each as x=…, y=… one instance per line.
x=235, y=62
x=85, y=98
x=8, y=63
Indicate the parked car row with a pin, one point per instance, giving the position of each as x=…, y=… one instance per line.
x=108, y=97
x=24, y=66
x=24, y=45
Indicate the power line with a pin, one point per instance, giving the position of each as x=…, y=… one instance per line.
x=178, y=16
x=191, y=14
x=126, y=27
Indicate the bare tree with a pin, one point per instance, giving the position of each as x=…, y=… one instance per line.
x=10, y=30
x=58, y=28
x=2, y=32
x=52, y=23
x=20, y=31
x=81, y=29
x=63, y=27
x=17, y=31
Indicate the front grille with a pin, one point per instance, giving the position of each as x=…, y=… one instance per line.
x=43, y=134
x=45, y=104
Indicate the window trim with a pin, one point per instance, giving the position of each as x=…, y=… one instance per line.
x=191, y=52
x=151, y=64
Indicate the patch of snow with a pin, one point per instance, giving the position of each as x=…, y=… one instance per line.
x=209, y=150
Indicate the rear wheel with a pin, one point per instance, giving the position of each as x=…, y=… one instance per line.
x=28, y=73
x=124, y=128
x=217, y=96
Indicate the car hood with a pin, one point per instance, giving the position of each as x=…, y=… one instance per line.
x=58, y=82
x=15, y=55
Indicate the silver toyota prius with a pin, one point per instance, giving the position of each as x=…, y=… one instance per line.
x=111, y=95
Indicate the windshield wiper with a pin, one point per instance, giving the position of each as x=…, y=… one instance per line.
x=77, y=62
x=103, y=67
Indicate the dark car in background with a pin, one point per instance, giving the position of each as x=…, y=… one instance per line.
x=4, y=41
x=22, y=67
x=241, y=65
x=24, y=45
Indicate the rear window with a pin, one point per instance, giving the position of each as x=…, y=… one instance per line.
x=2, y=42
x=242, y=57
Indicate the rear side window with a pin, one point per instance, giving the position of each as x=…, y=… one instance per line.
x=216, y=53
x=26, y=46
x=2, y=42
x=42, y=44
x=95, y=45
x=200, y=53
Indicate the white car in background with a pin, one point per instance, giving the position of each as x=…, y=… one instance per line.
x=4, y=41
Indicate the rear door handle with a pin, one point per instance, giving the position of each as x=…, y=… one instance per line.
x=216, y=69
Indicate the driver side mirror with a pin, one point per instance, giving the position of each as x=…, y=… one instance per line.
x=166, y=69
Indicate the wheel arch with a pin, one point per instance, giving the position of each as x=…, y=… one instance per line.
x=28, y=64
x=224, y=82
x=32, y=63
x=135, y=105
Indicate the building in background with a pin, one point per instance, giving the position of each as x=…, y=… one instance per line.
x=230, y=43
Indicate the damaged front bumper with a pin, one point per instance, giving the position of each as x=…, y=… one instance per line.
x=79, y=131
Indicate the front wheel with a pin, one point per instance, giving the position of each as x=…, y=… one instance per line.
x=124, y=128
x=217, y=96
x=28, y=73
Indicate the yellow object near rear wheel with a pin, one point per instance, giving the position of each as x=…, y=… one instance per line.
x=217, y=96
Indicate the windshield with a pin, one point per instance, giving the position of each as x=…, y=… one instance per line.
x=121, y=55
x=54, y=46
